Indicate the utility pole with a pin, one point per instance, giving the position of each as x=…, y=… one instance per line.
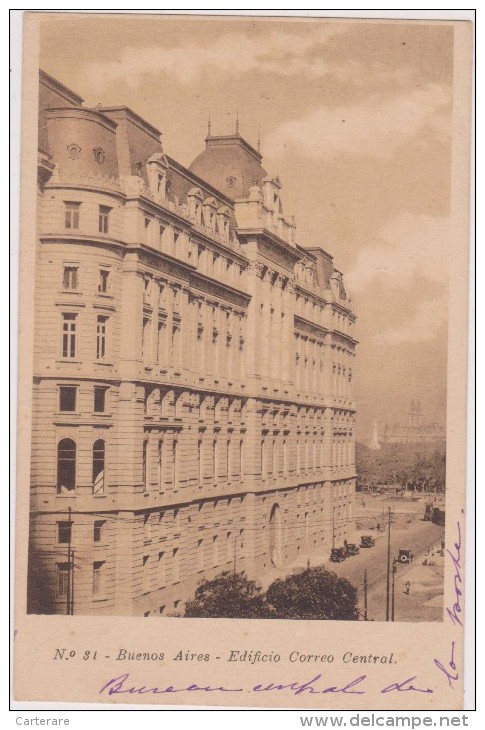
x=72, y=584
x=68, y=598
x=394, y=569
x=333, y=526
x=388, y=586
x=235, y=553
x=365, y=595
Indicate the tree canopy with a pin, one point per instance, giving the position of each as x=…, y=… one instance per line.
x=413, y=466
x=228, y=595
x=315, y=593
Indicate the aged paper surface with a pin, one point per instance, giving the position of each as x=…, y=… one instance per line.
x=243, y=361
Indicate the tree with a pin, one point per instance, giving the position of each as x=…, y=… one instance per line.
x=228, y=595
x=315, y=593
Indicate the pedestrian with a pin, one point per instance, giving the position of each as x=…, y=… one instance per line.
x=407, y=587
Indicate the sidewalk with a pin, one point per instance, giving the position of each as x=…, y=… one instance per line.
x=424, y=602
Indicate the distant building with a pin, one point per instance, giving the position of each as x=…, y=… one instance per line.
x=416, y=431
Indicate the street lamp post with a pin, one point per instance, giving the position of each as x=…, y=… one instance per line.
x=394, y=571
x=388, y=576
x=69, y=564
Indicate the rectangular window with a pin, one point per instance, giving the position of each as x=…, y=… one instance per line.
x=215, y=466
x=99, y=399
x=147, y=529
x=103, y=283
x=71, y=215
x=67, y=398
x=240, y=459
x=160, y=465
x=174, y=463
x=144, y=467
x=62, y=580
x=173, y=345
x=145, y=344
x=70, y=278
x=161, y=568
x=215, y=551
x=160, y=341
x=64, y=532
x=103, y=219
x=228, y=459
x=98, y=583
x=200, y=460
x=69, y=335
x=161, y=231
x=147, y=223
x=200, y=555
x=274, y=460
x=101, y=337
x=98, y=530
x=175, y=565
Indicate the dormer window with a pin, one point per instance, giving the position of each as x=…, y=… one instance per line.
x=156, y=171
x=194, y=201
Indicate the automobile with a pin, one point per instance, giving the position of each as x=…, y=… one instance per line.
x=405, y=556
x=352, y=549
x=338, y=554
x=367, y=541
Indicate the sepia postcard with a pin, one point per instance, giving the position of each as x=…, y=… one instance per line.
x=242, y=423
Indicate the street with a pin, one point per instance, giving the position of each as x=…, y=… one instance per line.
x=417, y=536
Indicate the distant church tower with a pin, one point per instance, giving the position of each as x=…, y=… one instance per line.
x=374, y=444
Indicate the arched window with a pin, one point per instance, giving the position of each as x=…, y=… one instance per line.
x=66, y=466
x=98, y=466
x=275, y=542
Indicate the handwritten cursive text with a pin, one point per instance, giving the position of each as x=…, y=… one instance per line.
x=317, y=685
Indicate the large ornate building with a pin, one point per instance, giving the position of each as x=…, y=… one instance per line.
x=416, y=430
x=192, y=404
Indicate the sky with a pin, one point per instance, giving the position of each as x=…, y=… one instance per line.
x=355, y=118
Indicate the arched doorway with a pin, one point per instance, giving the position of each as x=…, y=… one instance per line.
x=275, y=552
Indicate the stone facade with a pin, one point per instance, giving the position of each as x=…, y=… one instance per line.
x=192, y=396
